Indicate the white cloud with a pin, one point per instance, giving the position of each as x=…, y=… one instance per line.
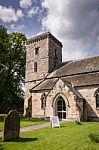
x=25, y=3
x=19, y=13
x=33, y=11
x=9, y=14
x=75, y=23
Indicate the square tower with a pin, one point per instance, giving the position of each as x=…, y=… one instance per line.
x=43, y=56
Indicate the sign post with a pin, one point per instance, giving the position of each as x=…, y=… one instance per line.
x=54, y=120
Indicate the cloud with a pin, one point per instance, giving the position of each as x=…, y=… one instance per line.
x=9, y=14
x=30, y=7
x=75, y=23
x=19, y=13
x=33, y=11
x=25, y=3
x=17, y=27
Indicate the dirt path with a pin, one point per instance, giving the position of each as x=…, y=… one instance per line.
x=34, y=127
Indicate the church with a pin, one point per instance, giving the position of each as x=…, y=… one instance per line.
x=69, y=90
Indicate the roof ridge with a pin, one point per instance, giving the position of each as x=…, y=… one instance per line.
x=84, y=58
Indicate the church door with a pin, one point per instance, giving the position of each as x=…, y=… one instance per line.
x=61, y=108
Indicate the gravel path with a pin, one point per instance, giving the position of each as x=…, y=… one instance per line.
x=34, y=127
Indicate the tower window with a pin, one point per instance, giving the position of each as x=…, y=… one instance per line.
x=36, y=50
x=35, y=67
x=55, y=54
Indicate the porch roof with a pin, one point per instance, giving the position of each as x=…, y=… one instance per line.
x=76, y=81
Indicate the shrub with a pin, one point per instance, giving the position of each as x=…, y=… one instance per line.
x=94, y=137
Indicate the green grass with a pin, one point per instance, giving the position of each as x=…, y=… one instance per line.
x=25, y=121
x=69, y=136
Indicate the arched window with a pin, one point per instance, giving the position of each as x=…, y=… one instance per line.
x=97, y=97
x=43, y=101
x=61, y=108
x=35, y=67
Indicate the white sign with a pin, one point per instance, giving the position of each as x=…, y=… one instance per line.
x=54, y=121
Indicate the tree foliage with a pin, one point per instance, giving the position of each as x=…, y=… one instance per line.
x=12, y=69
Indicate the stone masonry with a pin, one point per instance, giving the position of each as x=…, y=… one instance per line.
x=71, y=88
x=48, y=58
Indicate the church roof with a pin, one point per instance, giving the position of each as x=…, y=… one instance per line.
x=82, y=72
x=83, y=79
x=75, y=67
x=47, y=85
x=76, y=81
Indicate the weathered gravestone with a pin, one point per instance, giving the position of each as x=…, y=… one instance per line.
x=11, y=126
x=54, y=120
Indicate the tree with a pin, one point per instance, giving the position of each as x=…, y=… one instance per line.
x=12, y=69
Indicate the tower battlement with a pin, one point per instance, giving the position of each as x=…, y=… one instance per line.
x=43, y=36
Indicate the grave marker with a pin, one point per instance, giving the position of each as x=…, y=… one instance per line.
x=11, y=126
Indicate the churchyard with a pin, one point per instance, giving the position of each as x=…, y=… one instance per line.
x=24, y=121
x=70, y=136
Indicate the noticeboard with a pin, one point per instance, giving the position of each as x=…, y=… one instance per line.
x=54, y=120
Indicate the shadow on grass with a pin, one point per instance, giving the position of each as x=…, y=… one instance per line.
x=62, y=126
x=1, y=147
x=25, y=139
x=20, y=140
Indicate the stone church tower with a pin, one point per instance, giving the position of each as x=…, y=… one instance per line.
x=69, y=90
x=43, y=55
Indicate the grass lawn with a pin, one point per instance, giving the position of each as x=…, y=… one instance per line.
x=69, y=136
x=25, y=121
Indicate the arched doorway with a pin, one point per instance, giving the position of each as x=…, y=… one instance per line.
x=61, y=109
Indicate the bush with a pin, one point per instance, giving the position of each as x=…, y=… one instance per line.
x=94, y=137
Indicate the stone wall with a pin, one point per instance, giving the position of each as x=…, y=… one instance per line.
x=41, y=58
x=36, y=105
x=75, y=108
x=59, y=90
x=44, y=59
x=92, y=112
x=55, y=55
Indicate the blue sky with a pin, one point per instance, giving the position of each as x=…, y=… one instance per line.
x=30, y=25
x=74, y=22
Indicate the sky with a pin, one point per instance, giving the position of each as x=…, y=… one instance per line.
x=74, y=22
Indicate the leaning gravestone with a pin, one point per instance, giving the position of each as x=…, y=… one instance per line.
x=54, y=120
x=11, y=126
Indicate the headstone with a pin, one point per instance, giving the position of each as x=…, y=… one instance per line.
x=11, y=126
x=54, y=121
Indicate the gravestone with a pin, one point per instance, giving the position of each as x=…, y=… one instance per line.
x=11, y=126
x=54, y=120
